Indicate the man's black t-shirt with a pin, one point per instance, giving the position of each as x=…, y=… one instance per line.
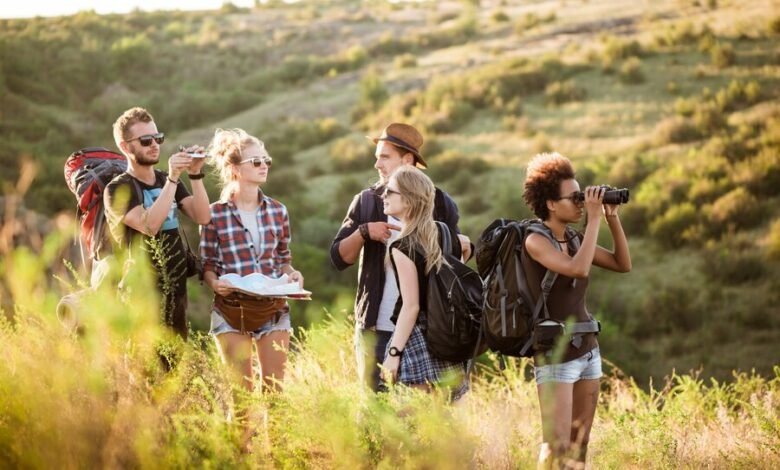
x=167, y=242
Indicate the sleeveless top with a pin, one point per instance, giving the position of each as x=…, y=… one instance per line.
x=566, y=301
x=404, y=246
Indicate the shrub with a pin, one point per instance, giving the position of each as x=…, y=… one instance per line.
x=729, y=266
x=738, y=95
x=774, y=25
x=672, y=87
x=449, y=163
x=761, y=173
x=405, y=61
x=675, y=130
x=347, y=154
x=631, y=71
x=616, y=49
x=557, y=93
x=722, y=55
x=532, y=20
x=499, y=16
x=773, y=240
x=669, y=229
x=736, y=209
x=708, y=119
x=678, y=34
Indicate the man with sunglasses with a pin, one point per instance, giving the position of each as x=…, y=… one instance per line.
x=142, y=204
x=365, y=235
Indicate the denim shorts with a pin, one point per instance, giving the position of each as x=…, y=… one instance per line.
x=586, y=367
x=219, y=326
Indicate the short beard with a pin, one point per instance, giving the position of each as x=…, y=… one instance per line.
x=140, y=159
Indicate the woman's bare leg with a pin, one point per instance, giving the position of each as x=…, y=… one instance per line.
x=555, y=402
x=272, y=352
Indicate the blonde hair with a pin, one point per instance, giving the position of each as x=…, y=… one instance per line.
x=419, y=193
x=126, y=121
x=226, y=150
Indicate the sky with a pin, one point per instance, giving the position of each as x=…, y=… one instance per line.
x=30, y=8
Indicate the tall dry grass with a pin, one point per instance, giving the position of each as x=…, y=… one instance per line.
x=123, y=392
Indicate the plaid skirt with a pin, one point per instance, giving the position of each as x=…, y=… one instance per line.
x=418, y=366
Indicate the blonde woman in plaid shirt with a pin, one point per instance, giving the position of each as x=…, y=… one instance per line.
x=249, y=233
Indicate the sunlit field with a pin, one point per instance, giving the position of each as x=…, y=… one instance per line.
x=100, y=396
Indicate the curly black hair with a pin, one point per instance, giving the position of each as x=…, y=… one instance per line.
x=543, y=180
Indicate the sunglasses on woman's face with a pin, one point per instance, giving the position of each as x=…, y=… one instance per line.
x=257, y=161
x=146, y=140
x=389, y=191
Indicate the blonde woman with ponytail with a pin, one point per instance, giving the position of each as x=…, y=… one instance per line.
x=409, y=196
x=249, y=233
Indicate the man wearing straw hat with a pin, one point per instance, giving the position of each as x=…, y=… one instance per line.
x=365, y=235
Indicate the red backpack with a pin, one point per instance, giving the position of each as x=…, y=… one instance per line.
x=87, y=172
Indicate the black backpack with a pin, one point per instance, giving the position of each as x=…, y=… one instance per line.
x=454, y=307
x=511, y=316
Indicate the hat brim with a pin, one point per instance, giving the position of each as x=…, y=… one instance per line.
x=418, y=159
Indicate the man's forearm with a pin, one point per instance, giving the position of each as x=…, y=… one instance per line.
x=201, y=213
x=349, y=248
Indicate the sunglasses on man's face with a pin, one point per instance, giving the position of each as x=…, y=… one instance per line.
x=146, y=140
x=257, y=161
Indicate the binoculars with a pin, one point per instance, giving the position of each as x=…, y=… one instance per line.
x=611, y=196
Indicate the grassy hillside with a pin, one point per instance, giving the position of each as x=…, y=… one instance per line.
x=677, y=100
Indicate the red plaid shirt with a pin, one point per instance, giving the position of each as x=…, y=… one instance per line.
x=226, y=246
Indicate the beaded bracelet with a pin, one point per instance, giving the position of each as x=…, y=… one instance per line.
x=364, y=232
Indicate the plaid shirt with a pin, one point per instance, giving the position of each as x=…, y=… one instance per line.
x=226, y=246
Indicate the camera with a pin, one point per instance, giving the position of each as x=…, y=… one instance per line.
x=611, y=195
x=191, y=154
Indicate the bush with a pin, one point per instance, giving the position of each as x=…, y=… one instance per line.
x=736, y=209
x=405, y=61
x=532, y=20
x=675, y=130
x=449, y=163
x=557, y=93
x=774, y=25
x=669, y=229
x=631, y=71
x=616, y=49
x=499, y=16
x=708, y=119
x=348, y=154
x=773, y=240
x=730, y=267
x=722, y=55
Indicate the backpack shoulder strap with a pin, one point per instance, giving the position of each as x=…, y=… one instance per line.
x=446, y=237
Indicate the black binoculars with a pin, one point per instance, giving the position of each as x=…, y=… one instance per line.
x=611, y=196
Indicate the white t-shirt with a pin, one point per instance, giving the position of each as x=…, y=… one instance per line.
x=249, y=221
x=390, y=292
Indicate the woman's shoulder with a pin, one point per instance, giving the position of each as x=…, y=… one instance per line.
x=403, y=245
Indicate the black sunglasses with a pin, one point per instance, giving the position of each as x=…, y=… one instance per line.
x=146, y=140
x=577, y=197
x=257, y=161
x=389, y=191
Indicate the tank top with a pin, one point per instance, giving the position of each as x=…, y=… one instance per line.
x=566, y=301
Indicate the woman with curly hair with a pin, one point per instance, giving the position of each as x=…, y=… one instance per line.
x=568, y=380
x=409, y=196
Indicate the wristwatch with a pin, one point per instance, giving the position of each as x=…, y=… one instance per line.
x=394, y=352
